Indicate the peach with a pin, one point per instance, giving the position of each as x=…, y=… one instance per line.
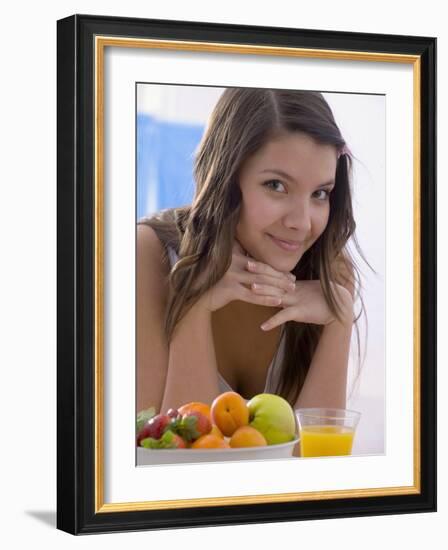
x=216, y=431
x=210, y=441
x=229, y=412
x=246, y=436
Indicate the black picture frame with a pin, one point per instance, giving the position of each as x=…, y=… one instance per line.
x=80, y=509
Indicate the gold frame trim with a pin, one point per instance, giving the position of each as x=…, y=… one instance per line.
x=101, y=42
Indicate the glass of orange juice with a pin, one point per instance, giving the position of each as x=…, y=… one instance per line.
x=326, y=432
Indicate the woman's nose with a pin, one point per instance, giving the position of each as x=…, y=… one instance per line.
x=298, y=217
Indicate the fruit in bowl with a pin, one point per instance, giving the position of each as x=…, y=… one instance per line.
x=195, y=406
x=247, y=436
x=273, y=416
x=229, y=412
x=169, y=440
x=210, y=441
x=229, y=428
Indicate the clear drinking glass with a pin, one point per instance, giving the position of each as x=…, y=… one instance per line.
x=326, y=432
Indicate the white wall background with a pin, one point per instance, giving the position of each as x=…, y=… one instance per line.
x=28, y=274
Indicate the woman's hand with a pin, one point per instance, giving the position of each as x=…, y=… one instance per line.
x=241, y=279
x=307, y=304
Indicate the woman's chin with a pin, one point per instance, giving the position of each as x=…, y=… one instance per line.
x=281, y=264
x=286, y=268
x=282, y=261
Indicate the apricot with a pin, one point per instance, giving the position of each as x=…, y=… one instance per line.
x=229, y=412
x=246, y=436
x=210, y=441
x=195, y=406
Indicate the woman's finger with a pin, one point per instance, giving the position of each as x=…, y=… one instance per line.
x=241, y=260
x=267, y=290
x=280, y=282
x=252, y=298
x=265, y=269
x=288, y=299
x=279, y=318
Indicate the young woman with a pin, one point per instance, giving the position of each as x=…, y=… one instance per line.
x=251, y=287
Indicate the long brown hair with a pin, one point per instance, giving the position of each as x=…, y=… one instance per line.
x=202, y=234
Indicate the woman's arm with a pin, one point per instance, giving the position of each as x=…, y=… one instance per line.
x=152, y=350
x=326, y=382
x=169, y=376
x=192, y=368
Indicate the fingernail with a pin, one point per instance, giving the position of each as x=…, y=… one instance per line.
x=292, y=276
x=251, y=265
x=264, y=326
x=292, y=286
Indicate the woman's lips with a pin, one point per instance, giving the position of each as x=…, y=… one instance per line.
x=289, y=246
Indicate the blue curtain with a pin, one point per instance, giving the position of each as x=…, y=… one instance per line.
x=165, y=152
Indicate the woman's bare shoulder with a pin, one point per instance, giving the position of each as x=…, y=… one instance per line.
x=148, y=242
x=151, y=253
x=148, y=237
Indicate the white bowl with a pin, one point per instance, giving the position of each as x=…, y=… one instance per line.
x=146, y=457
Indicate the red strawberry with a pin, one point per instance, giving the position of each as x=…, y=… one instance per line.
x=191, y=425
x=202, y=426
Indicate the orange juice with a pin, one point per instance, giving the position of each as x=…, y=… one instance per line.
x=326, y=440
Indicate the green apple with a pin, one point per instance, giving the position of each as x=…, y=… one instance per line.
x=273, y=416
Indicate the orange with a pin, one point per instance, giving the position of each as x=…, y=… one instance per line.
x=246, y=436
x=195, y=406
x=210, y=441
x=229, y=412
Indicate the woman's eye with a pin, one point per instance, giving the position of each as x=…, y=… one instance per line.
x=275, y=185
x=322, y=194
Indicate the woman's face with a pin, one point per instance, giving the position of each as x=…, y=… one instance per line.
x=285, y=205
